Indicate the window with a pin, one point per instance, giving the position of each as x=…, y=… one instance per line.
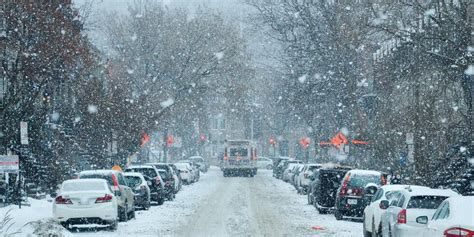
x=425, y=202
x=377, y=195
x=394, y=199
x=222, y=123
x=121, y=180
x=441, y=212
x=401, y=201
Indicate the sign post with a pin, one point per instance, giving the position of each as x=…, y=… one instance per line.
x=24, y=133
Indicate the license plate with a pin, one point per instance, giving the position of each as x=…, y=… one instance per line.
x=352, y=201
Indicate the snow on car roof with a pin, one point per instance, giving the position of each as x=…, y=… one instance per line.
x=195, y=157
x=426, y=191
x=461, y=209
x=82, y=181
x=395, y=187
x=140, y=166
x=133, y=174
x=101, y=172
x=365, y=172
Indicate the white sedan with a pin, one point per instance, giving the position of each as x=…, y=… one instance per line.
x=373, y=212
x=406, y=205
x=264, y=163
x=85, y=202
x=186, y=172
x=454, y=217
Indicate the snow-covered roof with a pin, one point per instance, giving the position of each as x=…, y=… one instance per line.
x=84, y=181
x=461, y=209
x=425, y=191
x=140, y=166
x=365, y=172
x=101, y=172
x=136, y=174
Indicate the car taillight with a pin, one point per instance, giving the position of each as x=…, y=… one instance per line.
x=458, y=232
x=115, y=181
x=106, y=198
x=383, y=180
x=402, y=217
x=355, y=192
x=61, y=200
x=344, y=189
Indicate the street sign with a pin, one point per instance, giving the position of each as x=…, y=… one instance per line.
x=24, y=133
x=9, y=164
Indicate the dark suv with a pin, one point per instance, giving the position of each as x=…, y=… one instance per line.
x=150, y=173
x=323, y=187
x=350, y=200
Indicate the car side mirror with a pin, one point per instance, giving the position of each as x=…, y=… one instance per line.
x=117, y=193
x=422, y=220
x=384, y=204
x=148, y=183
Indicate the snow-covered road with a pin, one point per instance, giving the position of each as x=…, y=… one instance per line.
x=233, y=206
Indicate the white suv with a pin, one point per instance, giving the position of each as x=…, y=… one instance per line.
x=405, y=205
x=373, y=212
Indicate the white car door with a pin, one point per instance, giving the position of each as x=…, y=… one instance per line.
x=371, y=209
x=439, y=222
x=390, y=216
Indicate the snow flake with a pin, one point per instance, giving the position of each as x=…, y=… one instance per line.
x=167, y=103
x=430, y=12
x=130, y=71
x=134, y=37
x=92, y=109
x=462, y=149
x=470, y=70
x=219, y=55
x=302, y=79
x=55, y=116
x=77, y=119
x=470, y=48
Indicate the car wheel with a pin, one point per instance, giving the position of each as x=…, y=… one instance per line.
x=113, y=226
x=366, y=233
x=161, y=200
x=132, y=214
x=338, y=215
x=322, y=211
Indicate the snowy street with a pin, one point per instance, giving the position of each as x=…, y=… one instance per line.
x=218, y=206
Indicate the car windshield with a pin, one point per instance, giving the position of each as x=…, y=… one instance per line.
x=83, y=186
x=380, y=89
x=425, y=202
x=133, y=181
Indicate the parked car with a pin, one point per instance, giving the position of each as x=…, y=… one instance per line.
x=373, y=212
x=454, y=217
x=187, y=175
x=278, y=166
x=177, y=177
x=140, y=188
x=303, y=180
x=406, y=205
x=350, y=198
x=200, y=162
x=120, y=188
x=169, y=184
x=86, y=201
x=194, y=169
x=157, y=187
x=295, y=172
x=324, y=185
x=264, y=163
x=287, y=168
